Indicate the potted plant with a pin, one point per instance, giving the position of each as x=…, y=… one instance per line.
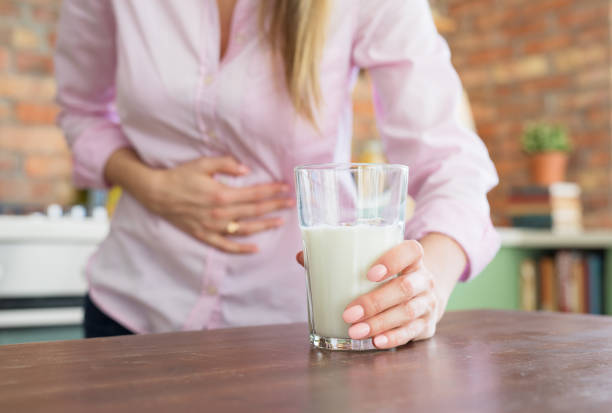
x=548, y=147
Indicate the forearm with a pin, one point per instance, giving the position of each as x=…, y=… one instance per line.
x=125, y=169
x=446, y=260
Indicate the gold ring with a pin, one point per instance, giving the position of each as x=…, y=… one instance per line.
x=232, y=227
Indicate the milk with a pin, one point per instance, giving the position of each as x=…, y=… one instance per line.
x=337, y=260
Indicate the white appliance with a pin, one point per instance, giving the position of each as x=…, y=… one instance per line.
x=42, y=266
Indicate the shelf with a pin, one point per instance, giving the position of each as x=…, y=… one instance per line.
x=41, y=317
x=40, y=228
x=514, y=237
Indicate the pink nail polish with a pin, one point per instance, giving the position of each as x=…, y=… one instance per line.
x=353, y=314
x=359, y=331
x=380, y=341
x=377, y=272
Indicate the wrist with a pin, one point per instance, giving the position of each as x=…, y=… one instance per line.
x=447, y=261
x=154, y=184
x=125, y=169
x=444, y=256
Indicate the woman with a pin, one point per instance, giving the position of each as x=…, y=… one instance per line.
x=200, y=110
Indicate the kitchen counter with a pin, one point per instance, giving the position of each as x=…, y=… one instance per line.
x=489, y=361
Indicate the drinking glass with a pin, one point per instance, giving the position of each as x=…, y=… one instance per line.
x=350, y=214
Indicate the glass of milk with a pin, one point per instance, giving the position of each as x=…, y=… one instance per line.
x=350, y=214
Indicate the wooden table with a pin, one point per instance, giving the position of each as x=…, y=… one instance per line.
x=479, y=361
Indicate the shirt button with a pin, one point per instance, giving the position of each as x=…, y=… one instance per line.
x=208, y=80
x=211, y=290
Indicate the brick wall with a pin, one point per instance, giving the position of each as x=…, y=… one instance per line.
x=525, y=60
x=520, y=60
x=35, y=164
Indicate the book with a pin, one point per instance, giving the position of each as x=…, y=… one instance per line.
x=594, y=271
x=564, y=190
x=529, y=209
x=557, y=190
x=529, y=296
x=566, y=203
x=556, y=207
x=577, y=287
x=536, y=199
x=530, y=191
x=548, y=284
x=563, y=265
x=533, y=221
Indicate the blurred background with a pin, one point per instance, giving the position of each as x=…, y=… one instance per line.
x=520, y=62
x=523, y=62
x=538, y=83
x=35, y=164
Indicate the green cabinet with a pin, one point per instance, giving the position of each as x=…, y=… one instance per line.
x=498, y=285
x=31, y=334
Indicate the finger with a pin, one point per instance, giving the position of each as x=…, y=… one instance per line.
x=400, y=258
x=224, y=244
x=300, y=258
x=250, y=210
x=388, y=295
x=428, y=331
x=252, y=227
x=394, y=317
x=254, y=193
x=225, y=165
x=401, y=335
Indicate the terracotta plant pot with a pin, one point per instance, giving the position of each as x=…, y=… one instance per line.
x=547, y=168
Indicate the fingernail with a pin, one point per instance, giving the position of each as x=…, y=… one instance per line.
x=279, y=222
x=377, y=272
x=381, y=341
x=284, y=188
x=290, y=202
x=353, y=314
x=359, y=331
x=243, y=169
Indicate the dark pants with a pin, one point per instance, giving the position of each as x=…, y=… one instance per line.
x=98, y=324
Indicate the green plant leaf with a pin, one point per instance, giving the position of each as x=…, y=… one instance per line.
x=543, y=137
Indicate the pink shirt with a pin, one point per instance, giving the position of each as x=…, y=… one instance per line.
x=148, y=76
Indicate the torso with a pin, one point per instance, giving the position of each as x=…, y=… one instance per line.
x=195, y=78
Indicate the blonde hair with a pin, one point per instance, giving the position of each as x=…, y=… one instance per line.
x=296, y=30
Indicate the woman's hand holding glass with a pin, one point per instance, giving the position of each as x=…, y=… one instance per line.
x=404, y=308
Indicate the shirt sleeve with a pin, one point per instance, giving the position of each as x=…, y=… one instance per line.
x=417, y=96
x=85, y=62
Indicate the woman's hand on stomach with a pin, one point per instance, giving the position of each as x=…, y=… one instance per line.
x=189, y=197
